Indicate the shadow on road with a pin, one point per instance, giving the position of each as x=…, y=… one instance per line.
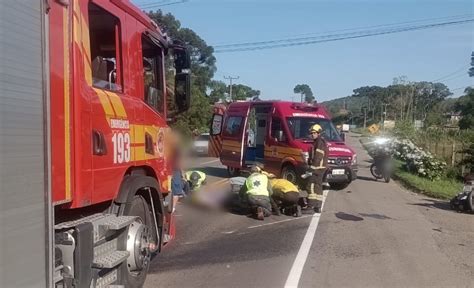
x=212, y=171
x=366, y=178
x=433, y=203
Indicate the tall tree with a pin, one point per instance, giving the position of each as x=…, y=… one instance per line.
x=243, y=92
x=203, y=67
x=305, y=91
x=219, y=91
x=466, y=107
x=471, y=70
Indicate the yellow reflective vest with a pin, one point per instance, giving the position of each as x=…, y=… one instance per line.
x=257, y=185
x=283, y=186
x=187, y=176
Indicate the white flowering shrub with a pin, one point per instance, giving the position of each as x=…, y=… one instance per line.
x=417, y=160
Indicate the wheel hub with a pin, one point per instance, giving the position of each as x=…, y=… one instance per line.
x=138, y=244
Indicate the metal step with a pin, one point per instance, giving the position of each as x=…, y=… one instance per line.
x=111, y=260
x=106, y=280
x=113, y=222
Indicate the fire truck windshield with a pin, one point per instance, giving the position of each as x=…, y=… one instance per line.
x=299, y=127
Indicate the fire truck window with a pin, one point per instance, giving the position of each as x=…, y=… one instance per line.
x=152, y=74
x=104, y=29
x=232, y=127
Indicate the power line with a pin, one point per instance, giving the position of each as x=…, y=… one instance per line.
x=161, y=4
x=462, y=69
x=297, y=36
x=334, y=37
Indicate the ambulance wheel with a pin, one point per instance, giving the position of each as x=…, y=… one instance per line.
x=289, y=173
x=233, y=172
x=339, y=186
x=137, y=240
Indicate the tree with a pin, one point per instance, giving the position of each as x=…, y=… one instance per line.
x=203, y=67
x=471, y=70
x=466, y=107
x=243, y=92
x=305, y=91
x=219, y=91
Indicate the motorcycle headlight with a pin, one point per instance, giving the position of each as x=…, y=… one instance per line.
x=354, y=159
x=381, y=140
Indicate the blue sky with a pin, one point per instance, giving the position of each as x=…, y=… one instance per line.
x=331, y=69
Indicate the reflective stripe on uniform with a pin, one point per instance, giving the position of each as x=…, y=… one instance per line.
x=320, y=151
x=314, y=196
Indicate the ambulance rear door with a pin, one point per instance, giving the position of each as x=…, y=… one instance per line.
x=233, y=135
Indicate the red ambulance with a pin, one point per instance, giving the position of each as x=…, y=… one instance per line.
x=275, y=133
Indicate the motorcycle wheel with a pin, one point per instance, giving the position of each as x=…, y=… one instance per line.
x=374, y=172
x=470, y=201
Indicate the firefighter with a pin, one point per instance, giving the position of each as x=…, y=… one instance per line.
x=287, y=195
x=257, y=191
x=195, y=179
x=318, y=164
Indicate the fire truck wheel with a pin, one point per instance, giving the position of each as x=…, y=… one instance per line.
x=138, y=239
x=289, y=173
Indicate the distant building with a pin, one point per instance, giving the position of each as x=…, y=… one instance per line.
x=452, y=118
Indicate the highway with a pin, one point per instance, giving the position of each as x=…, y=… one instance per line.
x=370, y=234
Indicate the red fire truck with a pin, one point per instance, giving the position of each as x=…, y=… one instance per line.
x=83, y=133
x=275, y=133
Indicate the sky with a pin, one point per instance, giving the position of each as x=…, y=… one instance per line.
x=332, y=69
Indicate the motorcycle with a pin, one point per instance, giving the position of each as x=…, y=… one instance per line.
x=382, y=167
x=464, y=201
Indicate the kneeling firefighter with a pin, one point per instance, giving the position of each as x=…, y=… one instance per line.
x=286, y=195
x=195, y=179
x=318, y=163
x=257, y=191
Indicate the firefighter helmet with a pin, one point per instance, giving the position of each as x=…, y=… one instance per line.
x=316, y=128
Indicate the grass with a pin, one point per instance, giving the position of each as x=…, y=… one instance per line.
x=444, y=188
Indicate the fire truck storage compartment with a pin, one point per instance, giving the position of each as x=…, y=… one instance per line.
x=24, y=209
x=256, y=133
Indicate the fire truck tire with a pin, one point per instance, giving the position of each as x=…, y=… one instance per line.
x=133, y=271
x=133, y=275
x=288, y=172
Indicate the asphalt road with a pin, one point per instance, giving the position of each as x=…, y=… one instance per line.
x=371, y=234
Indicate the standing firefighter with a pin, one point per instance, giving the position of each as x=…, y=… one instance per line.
x=318, y=163
x=257, y=190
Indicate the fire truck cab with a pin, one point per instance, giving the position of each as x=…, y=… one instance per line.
x=275, y=133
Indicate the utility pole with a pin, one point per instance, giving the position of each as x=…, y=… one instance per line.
x=365, y=117
x=230, y=78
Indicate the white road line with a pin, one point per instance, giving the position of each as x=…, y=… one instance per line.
x=276, y=222
x=297, y=268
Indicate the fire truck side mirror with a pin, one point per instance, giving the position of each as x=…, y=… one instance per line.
x=182, y=91
x=182, y=59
